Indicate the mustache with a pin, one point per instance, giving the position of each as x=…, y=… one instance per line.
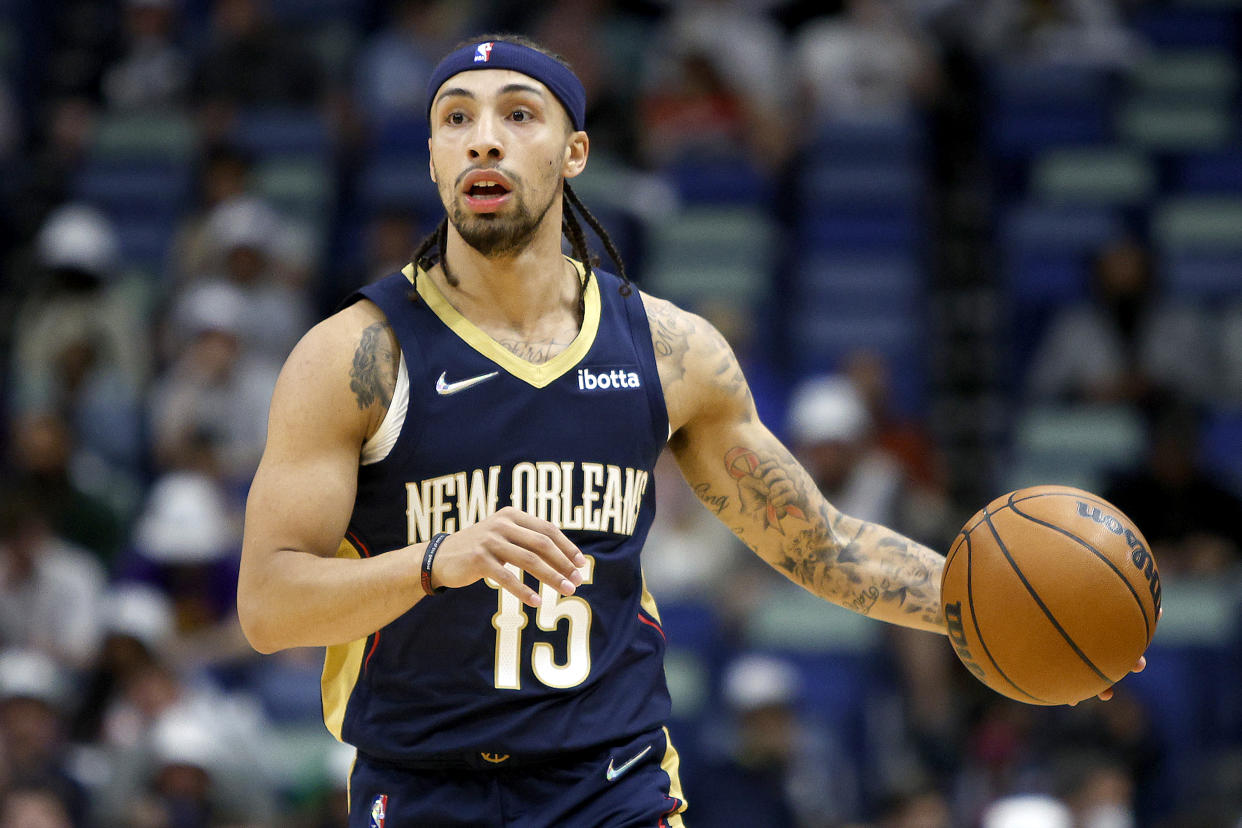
x=515, y=179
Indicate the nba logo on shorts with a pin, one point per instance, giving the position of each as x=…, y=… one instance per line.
x=483, y=52
x=379, y=811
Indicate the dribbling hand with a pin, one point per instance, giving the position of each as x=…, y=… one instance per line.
x=1107, y=694
x=509, y=536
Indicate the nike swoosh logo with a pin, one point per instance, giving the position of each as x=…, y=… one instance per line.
x=613, y=773
x=444, y=388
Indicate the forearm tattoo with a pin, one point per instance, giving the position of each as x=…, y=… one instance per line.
x=861, y=565
x=374, y=373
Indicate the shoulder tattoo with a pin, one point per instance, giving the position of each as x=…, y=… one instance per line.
x=374, y=373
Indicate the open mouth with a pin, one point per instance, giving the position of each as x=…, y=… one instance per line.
x=486, y=190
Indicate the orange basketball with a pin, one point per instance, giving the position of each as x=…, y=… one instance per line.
x=1050, y=595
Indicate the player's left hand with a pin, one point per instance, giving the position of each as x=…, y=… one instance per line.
x=1107, y=693
x=1137, y=668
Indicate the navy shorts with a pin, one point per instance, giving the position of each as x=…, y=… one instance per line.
x=631, y=785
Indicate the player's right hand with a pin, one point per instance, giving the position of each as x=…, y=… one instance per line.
x=509, y=536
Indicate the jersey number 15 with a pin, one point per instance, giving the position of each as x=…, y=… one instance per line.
x=511, y=618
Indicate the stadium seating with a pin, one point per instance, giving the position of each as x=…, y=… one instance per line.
x=712, y=253
x=1221, y=446
x=1074, y=445
x=146, y=136
x=1105, y=176
x=263, y=132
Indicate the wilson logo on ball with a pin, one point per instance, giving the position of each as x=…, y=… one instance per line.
x=1139, y=556
x=957, y=635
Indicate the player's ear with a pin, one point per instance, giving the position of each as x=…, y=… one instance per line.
x=430, y=166
x=576, y=152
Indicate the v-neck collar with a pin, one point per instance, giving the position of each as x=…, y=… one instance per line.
x=538, y=375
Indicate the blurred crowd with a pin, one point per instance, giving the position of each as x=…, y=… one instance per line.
x=188, y=185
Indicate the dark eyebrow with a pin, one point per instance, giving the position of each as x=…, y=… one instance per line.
x=507, y=89
x=455, y=91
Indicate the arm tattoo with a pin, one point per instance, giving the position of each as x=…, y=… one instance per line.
x=716, y=502
x=680, y=339
x=861, y=565
x=374, y=373
x=670, y=335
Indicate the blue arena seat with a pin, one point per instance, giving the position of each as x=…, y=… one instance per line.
x=831, y=183
x=895, y=137
x=134, y=186
x=404, y=134
x=400, y=181
x=274, y=131
x=1209, y=172
x=864, y=278
x=1207, y=277
x=720, y=181
x=1032, y=106
x=144, y=240
x=1037, y=281
x=823, y=337
x=1221, y=446
x=1058, y=229
x=1168, y=26
x=860, y=228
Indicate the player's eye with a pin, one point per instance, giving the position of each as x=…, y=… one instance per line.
x=521, y=115
x=455, y=118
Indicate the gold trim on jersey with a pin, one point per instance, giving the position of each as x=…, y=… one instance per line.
x=538, y=375
x=341, y=666
x=670, y=763
x=648, y=601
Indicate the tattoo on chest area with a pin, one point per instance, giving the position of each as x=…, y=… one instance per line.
x=536, y=352
x=373, y=375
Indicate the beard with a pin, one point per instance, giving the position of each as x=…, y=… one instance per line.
x=495, y=235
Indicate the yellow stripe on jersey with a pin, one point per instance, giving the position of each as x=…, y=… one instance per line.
x=671, y=764
x=648, y=602
x=341, y=665
x=538, y=375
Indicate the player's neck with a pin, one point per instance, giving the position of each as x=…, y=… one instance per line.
x=517, y=293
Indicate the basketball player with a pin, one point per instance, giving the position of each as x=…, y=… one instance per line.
x=457, y=485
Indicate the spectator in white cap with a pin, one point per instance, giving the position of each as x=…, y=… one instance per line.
x=249, y=239
x=209, y=409
x=830, y=430
x=1027, y=811
x=81, y=339
x=186, y=544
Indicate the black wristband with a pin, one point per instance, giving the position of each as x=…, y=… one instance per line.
x=428, y=558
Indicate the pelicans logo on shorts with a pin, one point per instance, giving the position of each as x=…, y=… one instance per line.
x=379, y=811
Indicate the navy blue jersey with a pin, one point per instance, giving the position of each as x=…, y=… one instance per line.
x=473, y=671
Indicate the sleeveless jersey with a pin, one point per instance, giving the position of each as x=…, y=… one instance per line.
x=473, y=671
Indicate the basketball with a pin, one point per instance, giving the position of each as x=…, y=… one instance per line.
x=1050, y=595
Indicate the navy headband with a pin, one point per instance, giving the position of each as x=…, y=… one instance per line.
x=499, y=54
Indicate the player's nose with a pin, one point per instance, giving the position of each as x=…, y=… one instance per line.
x=485, y=139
